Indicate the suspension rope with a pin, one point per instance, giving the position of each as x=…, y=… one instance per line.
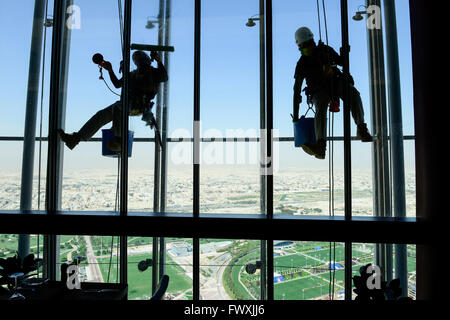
x=331, y=156
x=116, y=206
x=40, y=119
x=116, y=201
x=332, y=257
x=116, y=209
x=119, y=8
x=325, y=20
x=318, y=19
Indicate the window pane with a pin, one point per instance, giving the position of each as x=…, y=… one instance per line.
x=11, y=173
x=88, y=186
x=230, y=105
x=370, y=68
x=27, y=87
x=309, y=270
x=140, y=254
x=179, y=188
x=97, y=255
x=224, y=269
x=9, y=245
x=365, y=253
x=363, y=195
x=178, y=266
x=156, y=167
x=230, y=188
x=14, y=62
x=303, y=182
x=141, y=177
x=90, y=179
x=410, y=178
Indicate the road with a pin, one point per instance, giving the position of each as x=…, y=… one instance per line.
x=220, y=288
x=94, y=273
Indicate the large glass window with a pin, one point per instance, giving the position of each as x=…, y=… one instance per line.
x=26, y=65
x=233, y=105
x=302, y=183
x=157, y=170
x=230, y=106
x=365, y=253
x=309, y=270
x=230, y=269
x=90, y=179
x=370, y=65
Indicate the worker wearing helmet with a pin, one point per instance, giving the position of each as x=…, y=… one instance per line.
x=144, y=84
x=318, y=65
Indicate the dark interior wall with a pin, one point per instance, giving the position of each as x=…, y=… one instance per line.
x=427, y=182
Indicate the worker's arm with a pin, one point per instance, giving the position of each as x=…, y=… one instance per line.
x=297, y=98
x=116, y=82
x=338, y=58
x=162, y=72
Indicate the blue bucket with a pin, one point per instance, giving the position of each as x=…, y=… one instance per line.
x=107, y=135
x=304, y=131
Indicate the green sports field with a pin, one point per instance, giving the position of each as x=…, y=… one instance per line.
x=306, y=272
x=301, y=267
x=302, y=270
x=140, y=283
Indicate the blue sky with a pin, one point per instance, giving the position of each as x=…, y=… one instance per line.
x=229, y=71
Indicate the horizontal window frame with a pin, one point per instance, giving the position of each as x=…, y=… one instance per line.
x=206, y=139
x=219, y=226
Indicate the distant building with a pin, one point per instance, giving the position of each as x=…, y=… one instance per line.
x=277, y=277
x=335, y=266
x=180, y=249
x=283, y=244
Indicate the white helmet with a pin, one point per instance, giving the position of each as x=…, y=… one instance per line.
x=303, y=35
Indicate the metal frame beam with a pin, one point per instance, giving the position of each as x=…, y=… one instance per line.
x=220, y=226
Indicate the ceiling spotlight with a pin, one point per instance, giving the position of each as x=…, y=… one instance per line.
x=358, y=15
x=144, y=264
x=251, y=268
x=250, y=23
x=149, y=25
x=251, y=20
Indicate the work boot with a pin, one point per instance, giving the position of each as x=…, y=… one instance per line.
x=115, y=144
x=363, y=133
x=317, y=149
x=71, y=140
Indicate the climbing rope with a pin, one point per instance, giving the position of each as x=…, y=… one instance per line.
x=116, y=202
x=119, y=8
x=116, y=207
x=332, y=252
x=40, y=119
x=331, y=159
x=318, y=19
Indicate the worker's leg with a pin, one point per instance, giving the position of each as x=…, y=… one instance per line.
x=116, y=127
x=97, y=121
x=321, y=100
x=357, y=110
x=86, y=132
